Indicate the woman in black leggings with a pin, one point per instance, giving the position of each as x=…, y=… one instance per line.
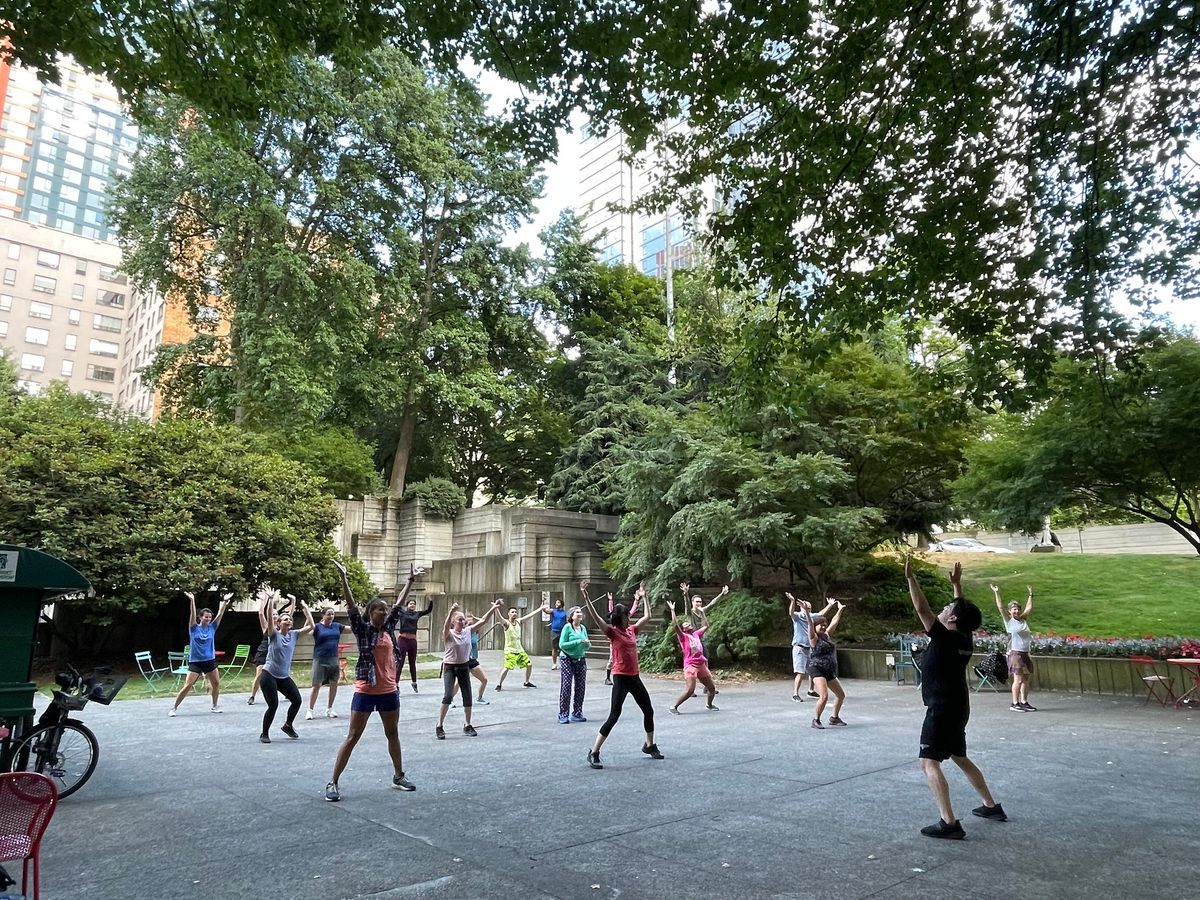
x=626, y=680
x=277, y=673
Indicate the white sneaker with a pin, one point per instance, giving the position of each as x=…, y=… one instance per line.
x=330, y=714
x=308, y=714
x=217, y=709
x=172, y=713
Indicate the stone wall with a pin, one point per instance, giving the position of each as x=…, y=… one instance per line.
x=1148, y=537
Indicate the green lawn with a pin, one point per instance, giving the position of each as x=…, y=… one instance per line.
x=1092, y=596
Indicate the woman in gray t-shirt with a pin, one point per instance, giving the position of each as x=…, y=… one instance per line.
x=277, y=671
x=1020, y=665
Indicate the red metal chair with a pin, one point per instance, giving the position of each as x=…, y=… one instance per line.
x=27, y=801
x=1147, y=669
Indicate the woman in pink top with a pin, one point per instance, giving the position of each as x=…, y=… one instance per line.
x=632, y=612
x=625, y=677
x=695, y=663
x=456, y=664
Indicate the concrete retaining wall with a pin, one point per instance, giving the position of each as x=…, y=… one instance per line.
x=1148, y=537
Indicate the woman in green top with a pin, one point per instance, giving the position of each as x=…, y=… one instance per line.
x=515, y=656
x=574, y=645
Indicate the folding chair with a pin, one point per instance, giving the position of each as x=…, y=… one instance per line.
x=150, y=672
x=992, y=672
x=908, y=661
x=179, y=665
x=233, y=668
x=1147, y=670
x=27, y=801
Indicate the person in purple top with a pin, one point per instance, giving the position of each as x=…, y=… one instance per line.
x=202, y=654
x=325, y=666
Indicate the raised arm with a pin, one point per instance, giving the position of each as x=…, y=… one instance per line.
x=265, y=616
x=591, y=607
x=920, y=604
x=449, y=618
x=999, y=603
x=837, y=617
x=191, y=607
x=414, y=572
x=221, y=609
x=544, y=608
x=308, y=618
x=1028, y=602
x=699, y=632
x=828, y=606
x=478, y=623
x=956, y=580
x=347, y=594
x=674, y=617
x=713, y=602
x=792, y=604
x=640, y=594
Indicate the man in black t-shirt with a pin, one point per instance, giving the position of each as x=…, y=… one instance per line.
x=947, y=702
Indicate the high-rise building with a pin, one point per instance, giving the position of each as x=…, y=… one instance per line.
x=63, y=301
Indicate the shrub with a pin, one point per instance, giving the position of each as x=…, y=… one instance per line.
x=441, y=498
x=739, y=622
x=659, y=652
x=889, y=598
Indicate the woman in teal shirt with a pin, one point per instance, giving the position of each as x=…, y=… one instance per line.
x=574, y=645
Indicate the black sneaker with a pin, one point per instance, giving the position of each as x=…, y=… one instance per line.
x=470, y=729
x=440, y=732
x=1029, y=707
x=331, y=793
x=816, y=723
x=400, y=783
x=714, y=708
x=530, y=684
x=942, y=830
x=594, y=760
x=1016, y=707
x=264, y=738
x=414, y=687
x=290, y=732
x=652, y=751
x=995, y=813
x=797, y=698
x=813, y=694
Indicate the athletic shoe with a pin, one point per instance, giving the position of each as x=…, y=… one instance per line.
x=331, y=793
x=942, y=830
x=563, y=719
x=813, y=694
x=530, y=684
x=440, y=732
x=1016, y=707
x=330, y=714
x=414, y=687
x=308, y=714
x=816, y=723
x=264, y=738
x=499, y=687
x=554, y=668
x=836, y=720
x=608, y=681
x=578, y=717
x=1029, y=707
x=483, y=702
x=250, y=701
x=714, y=708
x=594, y=760
x=797, y=698
x=995, y=813
x=216, y=709
x=400, y=783
x=173, y=713
x=290, y=732
x=675, y=709
x=470, y=729
x=652, y=751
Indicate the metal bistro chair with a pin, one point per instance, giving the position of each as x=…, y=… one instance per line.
x=908, y=661
x=150, y=672
x=233, y=669
x=27, y=801
x=1146, y=668
x=179, y=665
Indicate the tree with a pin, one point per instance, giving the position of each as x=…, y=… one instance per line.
x=146, y=512
x=1120, y=435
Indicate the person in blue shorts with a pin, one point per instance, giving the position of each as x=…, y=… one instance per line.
x=326, y=668
x=202, y=651
x=558, y=618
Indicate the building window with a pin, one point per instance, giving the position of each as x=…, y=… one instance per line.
x=39, y=336
x=110, y=273
x=110, y=298
x=77, y=292
x=39, y=310
x=3, y=329
x=68, y=368
x=32, y=388
x=73, y=316
x=45, y=284
x=70, y=341
x=106, y=323
x=14, y=251
x=5, y=302
x=103, y=348
x=48, y=259
x=81, y=267
x=10, y=276
x=33, y=362
x=101, y=373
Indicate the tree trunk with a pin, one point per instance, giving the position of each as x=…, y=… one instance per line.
x=404, y=443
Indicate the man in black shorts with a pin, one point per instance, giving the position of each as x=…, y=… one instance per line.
x=947, y=702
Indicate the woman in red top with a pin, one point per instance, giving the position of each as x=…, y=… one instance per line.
x=626, y=680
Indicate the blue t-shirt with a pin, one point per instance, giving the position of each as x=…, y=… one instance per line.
x=558, y=618
x=280, y=648
x=203, y=639
x=800, y=628
x=325, y=640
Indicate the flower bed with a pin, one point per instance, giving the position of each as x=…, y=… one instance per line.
x=1074, y=645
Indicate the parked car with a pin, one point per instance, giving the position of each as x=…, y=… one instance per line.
x=966, y=545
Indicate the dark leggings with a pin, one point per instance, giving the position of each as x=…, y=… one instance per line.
x=272, y=687
x=623, y=686
x=461, y=673
x=407, y=647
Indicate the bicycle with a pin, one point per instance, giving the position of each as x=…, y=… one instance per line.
x=59, y=747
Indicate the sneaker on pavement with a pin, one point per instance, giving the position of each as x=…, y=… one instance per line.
x=308, y=714
x=216, y=709
x=813, y=694
x=483, y=702
x=173, y=713
x=400, y=783
x=530, y=684
x=675, y=709
x=330, y=714
x=440, y=732
x=594, y=760
x=1016, y=707
x=331, y=793
x=942, y=830
x=652, y=751
x=290, y=732
x=995, y=813
x=836, y=720
x=714, y=708
x=414, y=687
x=578, y=717
x=797, y=698
x=470, y=729
x=1029, y=707
x=816, y=723
x=264, y=738
x=249, y=701
x=563, y=719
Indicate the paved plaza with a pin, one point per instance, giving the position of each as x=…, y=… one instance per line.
x=749, y=802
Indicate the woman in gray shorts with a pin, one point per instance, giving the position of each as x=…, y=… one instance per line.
x=326, y=668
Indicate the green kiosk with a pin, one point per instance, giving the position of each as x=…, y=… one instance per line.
x=29, y=579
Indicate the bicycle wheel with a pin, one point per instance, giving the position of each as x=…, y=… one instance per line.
x=66, y=754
